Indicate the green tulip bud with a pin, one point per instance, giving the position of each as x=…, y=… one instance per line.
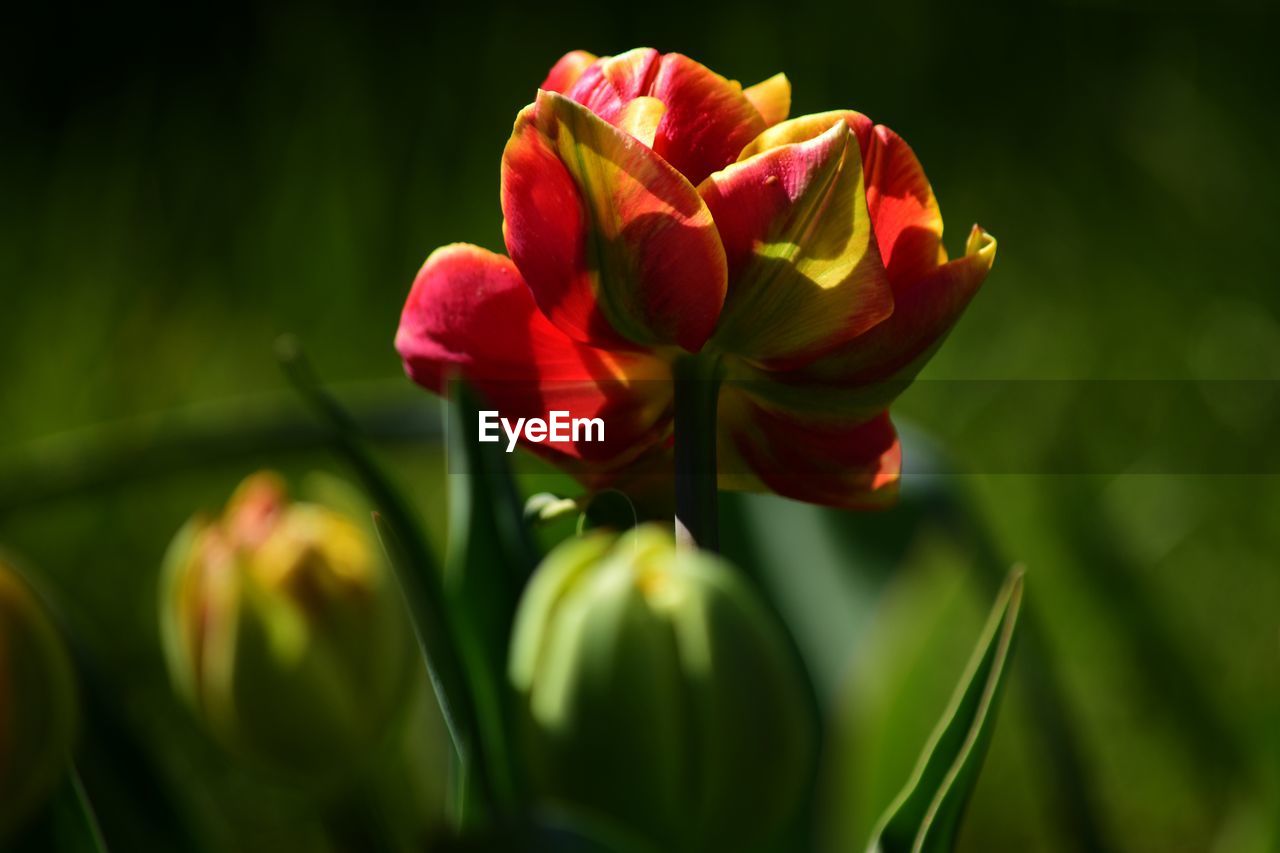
x=656, y=690
x=37, y=702
x=282, y=627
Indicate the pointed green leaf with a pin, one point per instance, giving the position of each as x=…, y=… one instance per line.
x=490, y=550
x=115, y=789
x=490, y=556
x=423, y=598
x=926, y=816
x=65, y=824
x=412, y=560
x=77, y=824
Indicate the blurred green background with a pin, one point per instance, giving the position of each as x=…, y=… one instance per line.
x=178, y=186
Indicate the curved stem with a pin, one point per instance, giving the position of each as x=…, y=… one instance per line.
x=697, y=390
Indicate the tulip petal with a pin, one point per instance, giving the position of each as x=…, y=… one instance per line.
x=708, y=118
x=852, y=464
x=925, y=309
x=805, y=275
x=868, y=373
x=904, y=213
x=617, y=247
x=803, y=128
x=469, y=313
x=612, y=82
x=771, y=98
x=567, y=70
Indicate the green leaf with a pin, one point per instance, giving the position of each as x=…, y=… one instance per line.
x=412, y=560
x=134, y=804
x=933, y=499
x=65, y=824
x=491, y=553
x=490, y=557
x=926, y=816
x=78, y=828
x=424, y=600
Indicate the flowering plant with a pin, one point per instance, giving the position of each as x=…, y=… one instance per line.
x=738, y=297
x=655, y=210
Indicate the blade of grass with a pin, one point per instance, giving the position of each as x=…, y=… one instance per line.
x=66, y=824
x=114, y=786
x=431, y=634
x=415, y=567
x=119, y=782
x=490, y=557
x=90, y=837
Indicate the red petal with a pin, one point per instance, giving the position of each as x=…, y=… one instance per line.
x=853, y=464
x=470, y=314
x=708, y=118
x=614, y=81
x=616, y=245
x=567, y=70
x=904, y=212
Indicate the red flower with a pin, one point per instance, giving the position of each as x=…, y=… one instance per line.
x=653, y=208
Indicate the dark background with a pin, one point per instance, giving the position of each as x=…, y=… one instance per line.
x=179, y=185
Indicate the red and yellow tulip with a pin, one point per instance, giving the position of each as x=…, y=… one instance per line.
x=653, y=208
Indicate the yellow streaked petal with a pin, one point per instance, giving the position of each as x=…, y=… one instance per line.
x=804, y=272
x=641, y=118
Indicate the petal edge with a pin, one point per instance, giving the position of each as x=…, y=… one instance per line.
x=771, y=98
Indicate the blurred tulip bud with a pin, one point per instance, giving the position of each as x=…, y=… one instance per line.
x=37, y=701
x=656, y=690
x=282, y=627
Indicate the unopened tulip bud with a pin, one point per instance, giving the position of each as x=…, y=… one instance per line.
x=283, y=629
x=657, y=691
x=37, y=702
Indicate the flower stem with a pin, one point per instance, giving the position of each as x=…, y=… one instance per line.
x=697, y=390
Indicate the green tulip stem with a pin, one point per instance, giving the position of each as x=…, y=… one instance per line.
x=697, y=390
